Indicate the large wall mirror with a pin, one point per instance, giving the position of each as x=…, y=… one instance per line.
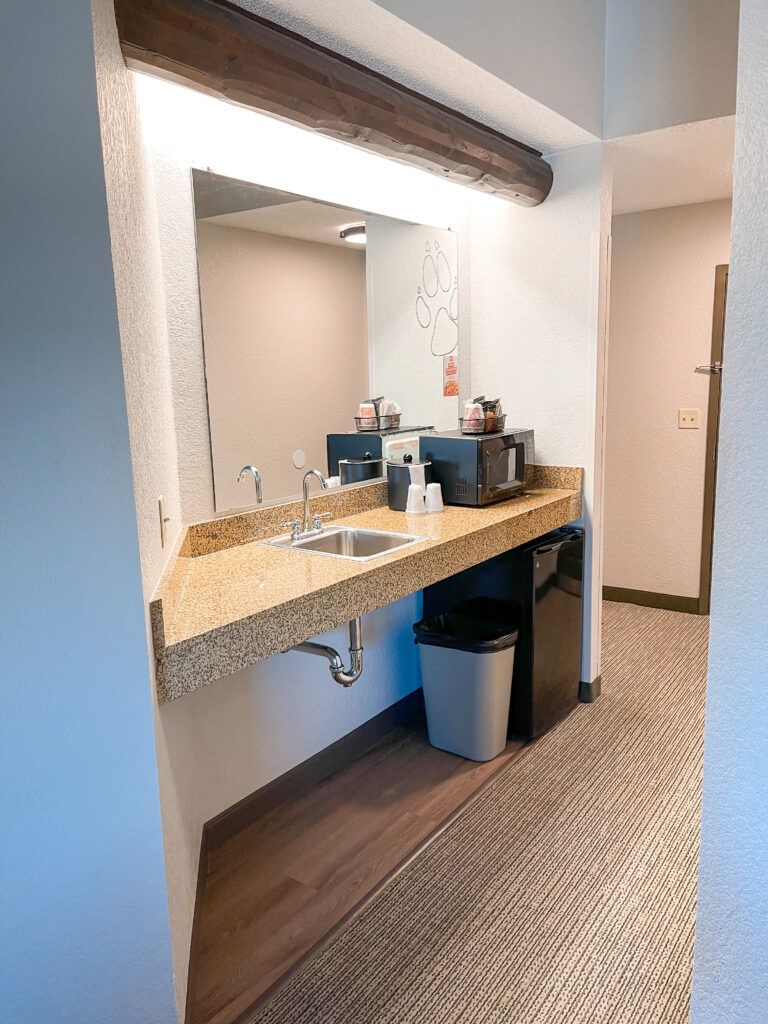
x=309, y=310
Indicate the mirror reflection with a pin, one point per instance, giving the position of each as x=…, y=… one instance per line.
x=329, y=333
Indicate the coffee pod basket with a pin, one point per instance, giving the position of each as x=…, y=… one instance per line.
x=482, y=425
x=377, y=423
x=379, y=414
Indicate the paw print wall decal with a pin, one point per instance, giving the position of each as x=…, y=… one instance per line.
x=437, y=301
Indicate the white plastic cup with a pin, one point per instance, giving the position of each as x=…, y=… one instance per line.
x=474, y=418
x=415, y=503
x=434, y=499
x=367, y=414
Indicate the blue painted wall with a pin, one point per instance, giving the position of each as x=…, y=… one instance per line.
x=730, y=983
x=84, y=921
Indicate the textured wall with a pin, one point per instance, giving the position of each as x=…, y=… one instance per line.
x=536, y=337
x=84, y=923
x=140, y=298
x=268, y=303
x=730, y=977
x=662, y=289
x=146, y=371
x=668, y=62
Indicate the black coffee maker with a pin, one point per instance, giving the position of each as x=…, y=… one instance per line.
x=400, y=477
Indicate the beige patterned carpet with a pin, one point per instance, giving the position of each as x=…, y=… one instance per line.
x=566, y=893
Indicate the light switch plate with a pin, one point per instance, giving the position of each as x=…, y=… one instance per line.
x=688, y=419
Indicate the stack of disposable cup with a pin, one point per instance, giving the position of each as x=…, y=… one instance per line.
x=415, y=503
x=474, y=418
x=434, y=499
x=367, y=414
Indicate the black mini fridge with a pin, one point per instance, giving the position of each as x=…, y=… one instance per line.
x=547, y=579
x=541, y=583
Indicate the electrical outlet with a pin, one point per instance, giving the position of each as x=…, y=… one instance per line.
x=688, y=419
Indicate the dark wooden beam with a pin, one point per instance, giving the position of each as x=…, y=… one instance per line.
x=228, y=52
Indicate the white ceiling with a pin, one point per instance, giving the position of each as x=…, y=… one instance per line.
x=306, y=219
x=689, y=163
x=379, y=39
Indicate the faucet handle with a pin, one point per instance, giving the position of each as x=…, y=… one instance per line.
x=295, y=527
x=317, y=519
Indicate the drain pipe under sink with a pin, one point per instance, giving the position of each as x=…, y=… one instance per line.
x=336, y=665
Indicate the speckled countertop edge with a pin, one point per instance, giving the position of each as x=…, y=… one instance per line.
x=352, y=588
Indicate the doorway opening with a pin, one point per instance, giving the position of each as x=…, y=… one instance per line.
x=668, y=288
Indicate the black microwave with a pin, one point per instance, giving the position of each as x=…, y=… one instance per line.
x=478, y=469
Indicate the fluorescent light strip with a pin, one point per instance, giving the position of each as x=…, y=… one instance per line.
x=196, y=130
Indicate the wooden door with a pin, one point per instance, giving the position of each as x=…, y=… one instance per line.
x=714, y=369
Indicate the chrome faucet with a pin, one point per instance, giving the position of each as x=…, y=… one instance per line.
x=317, y=521
x=256, y=479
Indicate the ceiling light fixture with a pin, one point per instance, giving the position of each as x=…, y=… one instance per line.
x=354, y=234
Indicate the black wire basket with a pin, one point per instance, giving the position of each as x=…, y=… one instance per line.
x=378, y=423
x=482, y=425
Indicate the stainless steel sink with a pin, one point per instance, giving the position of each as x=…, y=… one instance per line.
x=341, y=542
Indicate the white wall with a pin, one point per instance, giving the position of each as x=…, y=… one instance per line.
x=730, y=974
x=141, y=307
x=84, y=925
x=140, y=299
x=668, y=62
x=536, y=333
x=402, y=363
x=270, y=303
x=662, y=289
x=553, y=50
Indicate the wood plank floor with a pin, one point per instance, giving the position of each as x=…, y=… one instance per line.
x=273, y=891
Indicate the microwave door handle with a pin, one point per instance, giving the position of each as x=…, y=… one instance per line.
x=520, y=458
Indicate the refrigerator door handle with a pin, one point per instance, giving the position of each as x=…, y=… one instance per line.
x=550, y=547
x=568, y=539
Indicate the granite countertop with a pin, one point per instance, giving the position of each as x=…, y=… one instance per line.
x=218, y=612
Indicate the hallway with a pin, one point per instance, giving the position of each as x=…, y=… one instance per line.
x=566, y=893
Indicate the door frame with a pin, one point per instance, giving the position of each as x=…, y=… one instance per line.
x=713, y=428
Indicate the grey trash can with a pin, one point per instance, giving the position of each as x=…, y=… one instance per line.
x=467, y=659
